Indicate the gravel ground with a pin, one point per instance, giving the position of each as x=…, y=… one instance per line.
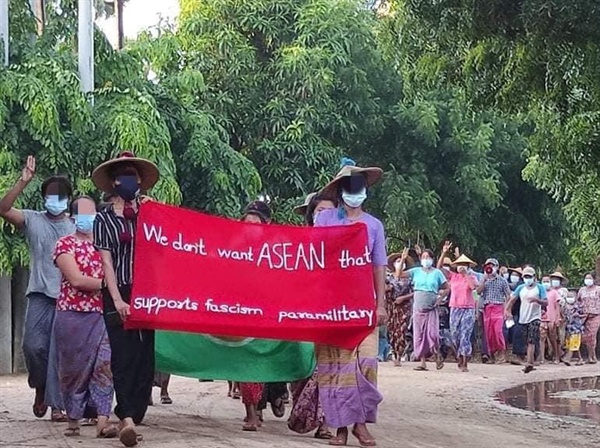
x=421, y=410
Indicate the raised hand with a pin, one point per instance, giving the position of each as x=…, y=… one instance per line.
x=456, y=252
x=447, y=246
x=404, y=253
x=29, y=170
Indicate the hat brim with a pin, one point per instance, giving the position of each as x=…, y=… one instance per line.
x=463, y=259
x=558, y=275
x=301, y=210
x=517, y=270
x=147, y=170
x=372, y=175
x=395, y=256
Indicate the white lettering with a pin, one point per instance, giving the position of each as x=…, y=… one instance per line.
x=154, y=305
x=155, y=233
x=342, y=314
x=237, y=255
x=211, y=307
x=348, y=261
x=198, y=248
x=290, y=257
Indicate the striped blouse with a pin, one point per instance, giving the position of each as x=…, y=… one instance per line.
x=109, y=229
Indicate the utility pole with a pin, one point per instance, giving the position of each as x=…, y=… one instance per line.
x=4, y=34
x=119, y=14
x=85, y=43
x=37, y=7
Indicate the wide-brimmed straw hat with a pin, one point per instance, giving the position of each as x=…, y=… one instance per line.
x=517, y=270
x=148, y=171
x=463, y=259
x=372, y=175
x=558, y=275
x=396, y=255
x=301, y=209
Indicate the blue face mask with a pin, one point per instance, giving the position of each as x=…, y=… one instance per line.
x=127, y=187
x=84, y=223
x=528, y=281
x=55, y=205
x=354, y=200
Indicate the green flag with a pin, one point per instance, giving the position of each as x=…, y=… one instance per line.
x=234, y=359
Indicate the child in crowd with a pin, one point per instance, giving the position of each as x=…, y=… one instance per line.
x=573, y=316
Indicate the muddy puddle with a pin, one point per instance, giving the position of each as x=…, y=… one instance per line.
x=576, y=397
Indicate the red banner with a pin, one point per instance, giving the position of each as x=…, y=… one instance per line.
x=204, y=274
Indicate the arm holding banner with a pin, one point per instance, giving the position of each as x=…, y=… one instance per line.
x=379, y=281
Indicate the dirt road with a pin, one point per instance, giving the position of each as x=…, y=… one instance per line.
x=421, y=410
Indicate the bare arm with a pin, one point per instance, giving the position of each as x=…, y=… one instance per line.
x=481, y=286
x=70, y=271
x=509, y=304
x=7, y=211
x=379, y=282
x=110, y=277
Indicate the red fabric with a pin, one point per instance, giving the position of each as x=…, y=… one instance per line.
x=284, y=282
x=493, y=322
x=251, y=392
x=89, y=262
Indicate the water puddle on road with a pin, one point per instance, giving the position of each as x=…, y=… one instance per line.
x=576, y=397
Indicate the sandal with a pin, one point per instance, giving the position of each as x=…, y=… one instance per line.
x=166, y=400
x=421, y=369
x=236, y=395
x=278, y=408
x=58, y=416
x=108, y=432
x=89, y=422
x=439, y=365
x=323, y=434
x=72, y=432
x=339, y=440
x=128, y=436
x=250, y=428
x=361, y=441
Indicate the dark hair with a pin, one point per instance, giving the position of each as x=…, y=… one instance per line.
x=312, y=205
x=260, y=209
x=429, y=252
x=123, y=169
x=63, y=184
x=592, y=273
x=73, y=207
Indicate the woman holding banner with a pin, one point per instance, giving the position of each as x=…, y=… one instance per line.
x=307, y=413
x=348, y=378
x=132, y=359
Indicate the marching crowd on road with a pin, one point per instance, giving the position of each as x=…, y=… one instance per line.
x=80, y=358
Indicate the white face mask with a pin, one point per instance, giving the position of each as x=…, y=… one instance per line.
x=546, y=285
x=570, y=300
x=514, y=279
x=427, y=262
x=354, y=200
x=446, y=267
x=555, y=283
x=528, y=281
x=588, y=282
x=506, y=276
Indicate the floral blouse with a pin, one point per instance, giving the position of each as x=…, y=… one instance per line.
x=590, y=299
x=400, y=287
x=89, y=262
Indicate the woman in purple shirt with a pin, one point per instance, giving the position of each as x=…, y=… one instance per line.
x=347, y=379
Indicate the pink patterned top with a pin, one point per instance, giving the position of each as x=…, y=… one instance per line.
x=590, y=298
x=89, y=262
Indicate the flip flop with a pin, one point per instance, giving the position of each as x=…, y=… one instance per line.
x=108, y=432
x=128, y=436
x=439, y=365
x=250, y=428
x=166, y=400
x=323, y=434
x=278, y=408
x=58, y=417
x=421, y=369
x=72, y=432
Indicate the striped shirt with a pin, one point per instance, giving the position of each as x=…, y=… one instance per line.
x=108, y=228
x=495, y=291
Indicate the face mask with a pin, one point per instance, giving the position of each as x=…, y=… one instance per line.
x=570, y=300
x=546, y=285
x=84, y=223
x=555, y=283
x=354, y=200
x=588, y=282
x=506, y=276
x=514, y=278
x=55, y=205
x=399, y=265
x=528, y=281
x=127, y=188
x=446, y=267
x=427, y=263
